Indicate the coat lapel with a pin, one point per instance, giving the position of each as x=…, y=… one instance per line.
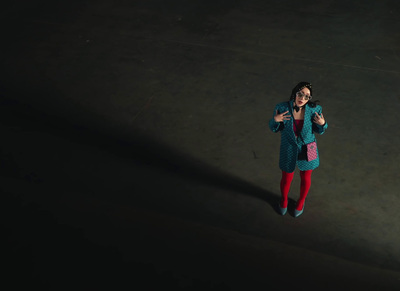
x=307, y=120
x=291, y=123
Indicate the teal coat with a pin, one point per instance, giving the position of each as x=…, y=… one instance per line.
x=290, y=144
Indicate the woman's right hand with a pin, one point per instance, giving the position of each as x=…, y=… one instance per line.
x=280, y=117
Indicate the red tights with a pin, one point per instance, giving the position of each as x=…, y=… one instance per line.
x=304, y=187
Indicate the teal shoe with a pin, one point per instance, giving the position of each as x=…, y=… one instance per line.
x=297, y=213
x=282, y=210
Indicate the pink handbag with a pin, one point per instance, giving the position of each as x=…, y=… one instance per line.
x=311, y=151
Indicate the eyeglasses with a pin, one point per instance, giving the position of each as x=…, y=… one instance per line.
x=301, y=95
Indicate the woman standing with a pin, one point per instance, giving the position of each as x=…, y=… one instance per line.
x=298, y=120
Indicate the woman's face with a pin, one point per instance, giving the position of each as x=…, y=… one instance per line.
x=302, y=97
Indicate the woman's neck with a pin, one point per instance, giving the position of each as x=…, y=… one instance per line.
x=298, y=114
x=297, y=108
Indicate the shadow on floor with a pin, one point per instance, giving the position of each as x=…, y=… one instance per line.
x=54, y=253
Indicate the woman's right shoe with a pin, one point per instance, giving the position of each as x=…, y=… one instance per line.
x=282, y=210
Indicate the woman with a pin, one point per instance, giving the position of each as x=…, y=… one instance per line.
x=297, y=120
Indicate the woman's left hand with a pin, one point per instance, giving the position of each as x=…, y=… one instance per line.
x=319, y=119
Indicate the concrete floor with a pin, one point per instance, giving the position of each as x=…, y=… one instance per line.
x=136, y=152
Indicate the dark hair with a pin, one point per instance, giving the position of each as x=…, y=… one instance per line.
x=300, y=86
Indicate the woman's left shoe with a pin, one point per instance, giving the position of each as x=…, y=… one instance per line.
x=297, y=213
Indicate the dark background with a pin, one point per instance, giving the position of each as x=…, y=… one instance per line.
x=136, y=154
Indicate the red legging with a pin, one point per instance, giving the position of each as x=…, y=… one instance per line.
x=304, y=187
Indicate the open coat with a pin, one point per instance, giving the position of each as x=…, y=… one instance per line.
x=290, y=144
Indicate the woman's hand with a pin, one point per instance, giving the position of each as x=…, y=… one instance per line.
x=281, y=117
x=319, y=119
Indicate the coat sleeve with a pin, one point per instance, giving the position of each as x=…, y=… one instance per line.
x=273, y=125
x=320, y=129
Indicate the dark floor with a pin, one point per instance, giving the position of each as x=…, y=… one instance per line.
x=136, y=154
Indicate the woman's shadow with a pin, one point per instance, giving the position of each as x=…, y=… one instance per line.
x=132, y=146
